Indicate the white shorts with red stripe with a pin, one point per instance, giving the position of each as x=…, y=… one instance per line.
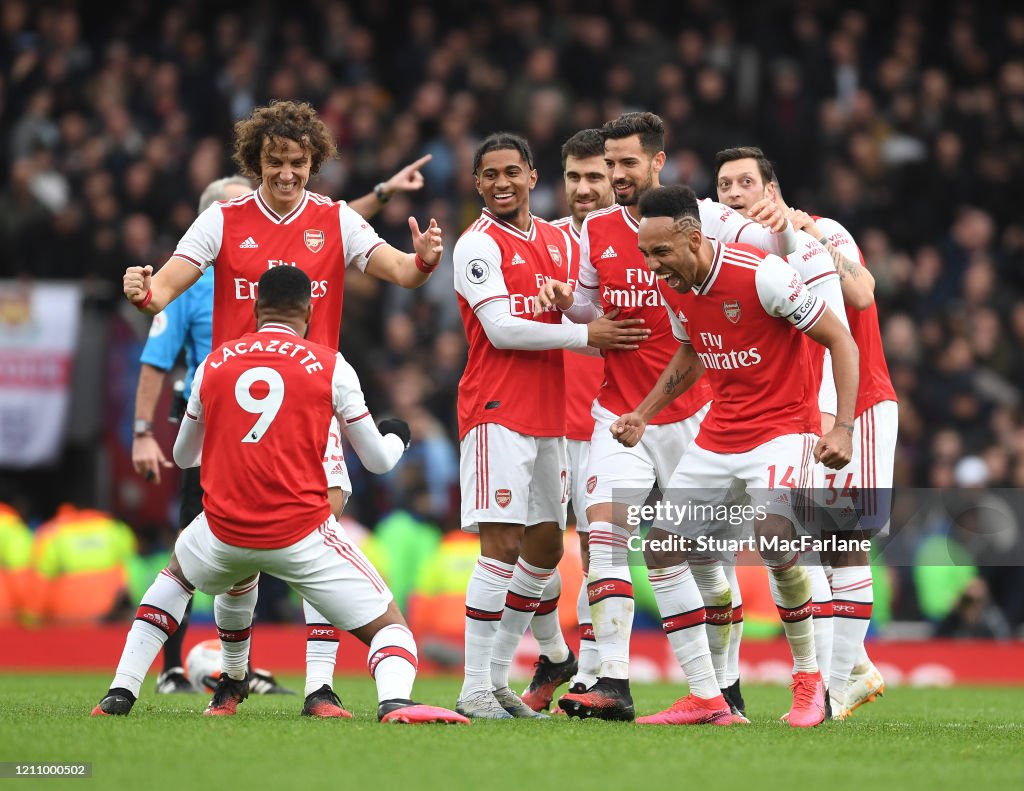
x=578, y=457
x=334, y=461
x=325, y=568
x=869, y=473
x=626, y=475
x=765, y=476
x=512, y=478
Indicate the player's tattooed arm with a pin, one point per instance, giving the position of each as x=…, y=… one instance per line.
x=683, y=370
x=857, y=282
x=676, y=379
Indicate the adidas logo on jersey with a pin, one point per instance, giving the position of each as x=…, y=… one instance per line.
x=517, y=260
x=248, y=244
x=609, y=253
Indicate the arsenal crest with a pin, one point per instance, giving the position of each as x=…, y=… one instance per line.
x=503, y=497
x=591, y=483
x=556, y=254
x=314, y=240
x=731, y=308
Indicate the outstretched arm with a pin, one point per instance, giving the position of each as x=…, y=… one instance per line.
x=408, y=179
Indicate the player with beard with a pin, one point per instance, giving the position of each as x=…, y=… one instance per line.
x=587, y=188
x=734, y=310
x=613, y=275
x=512, y=415
x=744, y=176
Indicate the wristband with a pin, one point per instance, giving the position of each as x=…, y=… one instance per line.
x=823, y=241
x=380, y=194
x=423, y=266
x=142, y=303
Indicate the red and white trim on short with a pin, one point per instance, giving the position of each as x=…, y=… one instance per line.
x=483, y=480
x=350, y=554
x=868, y=472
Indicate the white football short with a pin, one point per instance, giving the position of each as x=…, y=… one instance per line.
x=325, y=568
x=713, y=493
x=511, y=477
x=578, y=456
x=626, y=475
x=867, y=479
x=334, y=461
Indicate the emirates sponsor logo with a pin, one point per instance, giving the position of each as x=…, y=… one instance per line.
x=731, y=308
x=314, y=239
x=503, y=497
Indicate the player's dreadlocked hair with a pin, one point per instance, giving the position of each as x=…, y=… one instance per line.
x=283, y=289
x=647, y=125
x=275, y=123
x=503, y=141
x=582, y=145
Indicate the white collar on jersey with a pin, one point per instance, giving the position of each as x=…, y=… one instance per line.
x=273, y=326
x=716, y=267
x=272, y=215
x=528, y=234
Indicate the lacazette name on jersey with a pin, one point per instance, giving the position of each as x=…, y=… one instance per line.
x=287, y=348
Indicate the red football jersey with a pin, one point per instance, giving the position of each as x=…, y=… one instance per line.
x=612, y=265
x=875, y=382
x=244, y=237
x=746, y=323
x=521, y=390
x=267, y=399
x=584, y=373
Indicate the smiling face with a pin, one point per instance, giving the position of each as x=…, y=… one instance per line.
x=284, y=171
x=504, y=181
x=671, y=249
x=741, y=185
x=632, y=170
x=587, y=186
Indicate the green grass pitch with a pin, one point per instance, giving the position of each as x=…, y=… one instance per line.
x=920, y=739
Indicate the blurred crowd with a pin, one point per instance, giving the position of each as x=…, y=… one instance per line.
x=902, y=120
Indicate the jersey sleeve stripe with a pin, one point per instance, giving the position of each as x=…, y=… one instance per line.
x=350, y=421
x=483, y=302
x=822, y=276
x=814, y=320
x=190, y=260
x=743, y=227
x=373, y=249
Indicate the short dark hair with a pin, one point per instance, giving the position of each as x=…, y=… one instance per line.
x=284, y=289
x=676, y=201
x=647, y=125
x=585, y=143
x=503, y=141
x=746, y=152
